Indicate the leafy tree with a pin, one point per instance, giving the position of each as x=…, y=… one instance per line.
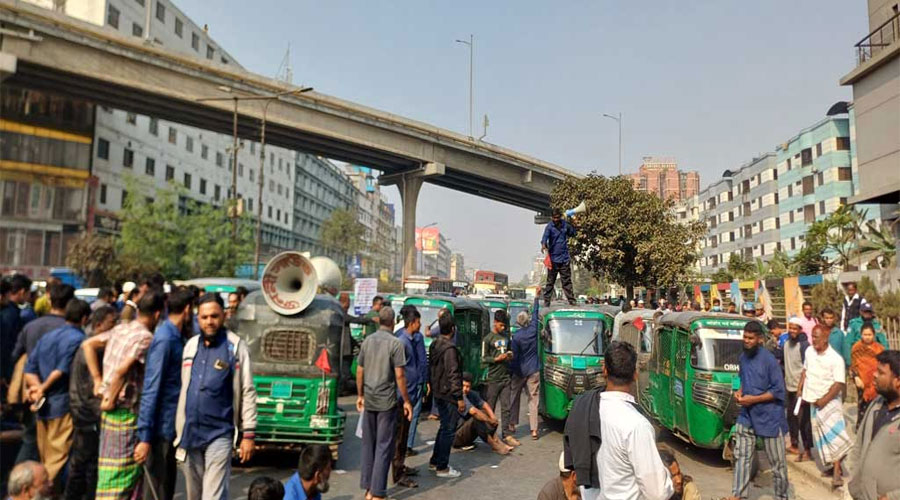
x=826, y=294
x=739, y=267
x=811, y=259
x=627, y=236
x=209, y=247
x=93, y=257
x=152, y=235
x=343, y=234
x=722, y=275
x=781, y=266
x=877, y=245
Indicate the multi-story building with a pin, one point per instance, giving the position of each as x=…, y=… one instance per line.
x=815, y=177
x=320, y=187
x=45, y=163
x=457, y=267
x=377, y=217
x=662, y=177
x=876, y=107
x=437, y=265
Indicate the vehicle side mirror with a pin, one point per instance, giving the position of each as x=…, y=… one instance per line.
x=695, y=341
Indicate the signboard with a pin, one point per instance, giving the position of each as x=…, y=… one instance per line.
x=364, y=290
x=430, y=240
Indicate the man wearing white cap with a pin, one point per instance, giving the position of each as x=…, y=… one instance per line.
x=132, y=295
x=562, y=487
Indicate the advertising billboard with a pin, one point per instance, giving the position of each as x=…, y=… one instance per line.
x=430, y=240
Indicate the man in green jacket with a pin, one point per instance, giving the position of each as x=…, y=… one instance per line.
x=372, y=315
x=866, y=315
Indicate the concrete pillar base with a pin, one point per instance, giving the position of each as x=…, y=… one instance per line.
x=409, y=186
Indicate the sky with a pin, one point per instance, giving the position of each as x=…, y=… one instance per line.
x=712, y=83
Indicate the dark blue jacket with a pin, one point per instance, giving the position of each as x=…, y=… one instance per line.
x=10, y=326
x=162, y=385
x=524, y=346
x=418, y=341
x=413, y=365
x=55, y=351
x=27, y=314
x=556, y=241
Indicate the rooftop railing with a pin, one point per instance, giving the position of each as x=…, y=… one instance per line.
x=882, y=37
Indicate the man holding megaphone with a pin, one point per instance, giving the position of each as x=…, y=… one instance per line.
x=555, y=245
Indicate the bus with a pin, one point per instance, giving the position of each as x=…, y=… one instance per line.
x=421, y=285
x=490, y=282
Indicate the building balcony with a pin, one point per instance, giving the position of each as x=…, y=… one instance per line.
x=879, y=46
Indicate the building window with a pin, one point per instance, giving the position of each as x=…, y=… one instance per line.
x=179, y=27
x=187, y=180
x=217, y=192
x=789, y=164
x=809, y=214
x=220, y=158
x=204, y=151
x=173, y=135
x=195, y=42
x=224, y=61
x=130, y=118
x=160, y=11
x=210, y=51
x=202, y=186
x=250, y=205
x=777, y=222
x=791, y=217
x=793, y=243
x=240, y=169
x=154, y=126
x=278, y=215
x=820, y=178
x=845, y=174
x=150, y=167
x=112, y=17
x=102, y=148
x=270, y=211
x=189, y=144
x=775, y=174
x=124, y=197
x=279, y=190
x=808, y=185
x=103, y=193
x=271, y=186
x=842, y=201
x=170, y=172
x=843, y=143
x=818, y=150
x=806, y=157
x=251, y=175
x=127, y=158
x=822, y=207
x=137, y=30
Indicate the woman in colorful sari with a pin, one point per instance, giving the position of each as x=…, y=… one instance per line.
x=863, y=366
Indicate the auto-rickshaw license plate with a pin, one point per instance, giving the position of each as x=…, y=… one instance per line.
x=282, y=389
x=318, y=421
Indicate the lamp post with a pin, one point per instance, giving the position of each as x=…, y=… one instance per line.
x=262, y=170
x=233, y=212
x=471, y=44
x=618, y=119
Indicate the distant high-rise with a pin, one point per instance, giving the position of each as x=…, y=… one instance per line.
x=661, y=176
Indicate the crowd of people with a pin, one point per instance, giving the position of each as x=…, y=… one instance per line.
x=106, y=400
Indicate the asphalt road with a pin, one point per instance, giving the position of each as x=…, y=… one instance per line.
x=487, y=475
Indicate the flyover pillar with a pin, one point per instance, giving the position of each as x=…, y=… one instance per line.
x=409, y=195
x=410, y=183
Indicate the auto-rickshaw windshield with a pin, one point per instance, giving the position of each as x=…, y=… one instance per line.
x=719, y=349
x=429, y=316
x=576, y=336
x=514, y=312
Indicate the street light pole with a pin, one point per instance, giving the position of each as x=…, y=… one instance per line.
x=234, y=169
x=471, y=44
x=619, y=121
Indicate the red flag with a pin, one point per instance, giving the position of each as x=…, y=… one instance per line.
x=638, y=323
x=322, y=362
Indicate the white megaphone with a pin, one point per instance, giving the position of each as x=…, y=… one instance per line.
x=577, y=210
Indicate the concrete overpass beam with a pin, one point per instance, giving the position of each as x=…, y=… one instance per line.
x=7, y=65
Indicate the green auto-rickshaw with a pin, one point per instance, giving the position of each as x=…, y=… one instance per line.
x=570, y=347
x=693, y=374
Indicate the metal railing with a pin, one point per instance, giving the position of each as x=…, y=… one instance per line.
x=883, y=36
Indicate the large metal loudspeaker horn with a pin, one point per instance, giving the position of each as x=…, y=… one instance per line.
x=289, y=283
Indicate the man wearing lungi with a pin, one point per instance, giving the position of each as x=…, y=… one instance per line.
x=125, y=349
x=821, y=385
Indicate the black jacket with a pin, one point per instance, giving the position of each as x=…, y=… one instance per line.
x=582, y=438
x=446, y=370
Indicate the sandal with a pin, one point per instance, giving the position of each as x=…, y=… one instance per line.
x=407, y=483
x=837, y=482
x=534, y=435
x=802, y=457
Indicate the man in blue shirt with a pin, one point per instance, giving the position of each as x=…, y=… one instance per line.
x=313, y=473
x=47, y=379
x=412, y=320
x=555, y=243
x=217, y=403
x=761, y=397
x=159, y=399
x=525, y=369
x=418, y=343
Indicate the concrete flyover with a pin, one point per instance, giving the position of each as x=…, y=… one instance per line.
x=43, y=49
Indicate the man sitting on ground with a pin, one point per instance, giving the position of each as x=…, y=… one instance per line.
x=311, y=478
x=563, y=486
x=684, y=486
x=477, y=421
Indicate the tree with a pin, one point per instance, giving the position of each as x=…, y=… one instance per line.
x=343, y=234
x=152, y=234
x=877, y=245
x=209, y=248
x=739, y=267
x=93, y=257
x=627, y=236
x=722, y=275
x=811, y=259
x=827, y=294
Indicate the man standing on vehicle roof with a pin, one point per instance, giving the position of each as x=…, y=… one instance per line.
x=555, y=244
